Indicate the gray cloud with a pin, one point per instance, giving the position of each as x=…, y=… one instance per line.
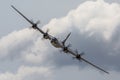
x=28, y=73
x=111, y=1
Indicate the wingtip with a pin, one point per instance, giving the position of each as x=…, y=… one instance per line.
x=108, y=73
x=12, y=6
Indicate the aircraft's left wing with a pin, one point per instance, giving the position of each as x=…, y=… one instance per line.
x=93, y=65
x=71, y=52
x=80, y=58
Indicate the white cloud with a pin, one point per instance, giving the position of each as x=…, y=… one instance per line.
x=28, y=73
x=96, y=17
x=39, y=52
x=96, y=22
x=74, y=72
x=15, y=40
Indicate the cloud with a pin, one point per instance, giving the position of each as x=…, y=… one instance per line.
x=95, y=30
x=74, y=72
x=28, y=73
x=90, y=17
x=95, y=24
x=9, y=43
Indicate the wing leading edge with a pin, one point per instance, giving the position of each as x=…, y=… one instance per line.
x=34, y=25
x=22, y=15
x=78, y=57
x=93, y=65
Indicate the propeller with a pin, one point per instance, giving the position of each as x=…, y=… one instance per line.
x=47, y=30
x=38, y=22
x=65, y=49
x=69, y=45
x=61, y=50
x=34, y=25
x=76, y=51
x=78, y=56
x=82, y=53
x=46, y=36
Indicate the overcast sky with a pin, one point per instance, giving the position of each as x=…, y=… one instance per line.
x=95, y=26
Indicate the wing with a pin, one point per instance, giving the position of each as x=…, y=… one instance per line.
x=33, y=24
x=40, y=30
x=22, y=15
x=80, y=58
x=71, y=52
x=94, y=65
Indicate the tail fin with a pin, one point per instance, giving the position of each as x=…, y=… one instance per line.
x=66, y=38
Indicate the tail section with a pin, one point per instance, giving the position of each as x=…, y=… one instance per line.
x=66, y=38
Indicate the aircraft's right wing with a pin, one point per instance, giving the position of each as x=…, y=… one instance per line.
x=22, y=15
x=33, y=24
x=40, y=30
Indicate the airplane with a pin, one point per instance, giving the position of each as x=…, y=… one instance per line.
x=57, y=43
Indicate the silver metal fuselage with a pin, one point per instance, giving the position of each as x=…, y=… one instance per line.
x=56, y=43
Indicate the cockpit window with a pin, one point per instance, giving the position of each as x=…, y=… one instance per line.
x=54, y=39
